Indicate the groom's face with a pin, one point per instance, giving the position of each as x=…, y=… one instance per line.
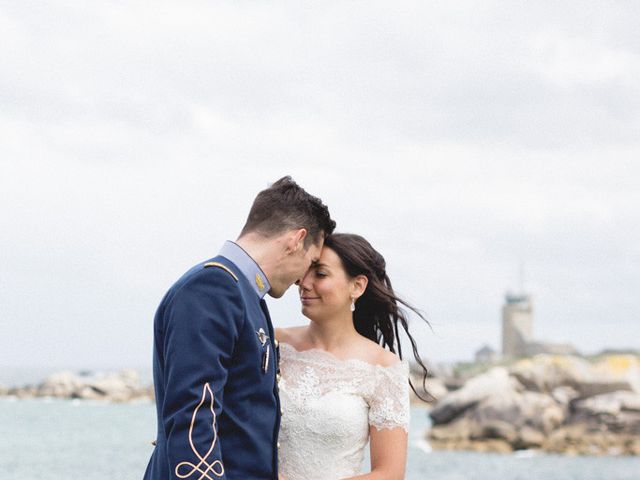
x=295, y=266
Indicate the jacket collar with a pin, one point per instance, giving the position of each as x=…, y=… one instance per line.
x=248, y=266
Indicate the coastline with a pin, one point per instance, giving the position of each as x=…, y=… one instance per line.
x=109, y=386
x=540, y=405
x=552, y=403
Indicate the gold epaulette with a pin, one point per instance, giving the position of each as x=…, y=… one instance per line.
x=224, y=267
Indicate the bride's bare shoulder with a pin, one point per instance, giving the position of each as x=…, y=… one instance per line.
x=380, y=356
x=290, y=335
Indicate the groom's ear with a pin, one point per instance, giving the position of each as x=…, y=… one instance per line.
x=296, y=240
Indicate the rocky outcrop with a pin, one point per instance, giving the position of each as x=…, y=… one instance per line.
x=608, y=404
x=557, y=404
x=494, y=382
x=120, y=386
x=545, y=373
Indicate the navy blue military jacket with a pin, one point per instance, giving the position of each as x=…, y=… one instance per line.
x=214, y=370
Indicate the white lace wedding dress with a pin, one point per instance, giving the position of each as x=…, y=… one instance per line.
x=328, y=405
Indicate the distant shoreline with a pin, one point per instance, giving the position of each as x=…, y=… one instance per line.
x=121, y=386
x=14, y=377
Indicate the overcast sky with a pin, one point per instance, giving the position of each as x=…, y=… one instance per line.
x=461, y=138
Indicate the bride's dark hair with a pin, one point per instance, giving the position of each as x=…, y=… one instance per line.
x=378, y=310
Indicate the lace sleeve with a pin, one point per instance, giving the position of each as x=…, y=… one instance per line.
x=389, y=403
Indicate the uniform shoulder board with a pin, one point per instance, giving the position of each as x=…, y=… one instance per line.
x=224, y=267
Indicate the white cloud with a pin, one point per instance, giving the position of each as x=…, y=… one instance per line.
x=570, y=62
x=461, y=139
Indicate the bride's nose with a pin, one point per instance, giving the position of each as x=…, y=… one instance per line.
x=304, y=283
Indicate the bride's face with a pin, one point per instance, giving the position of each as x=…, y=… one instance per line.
x=325, y=289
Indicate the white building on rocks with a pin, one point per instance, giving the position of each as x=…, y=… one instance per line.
x=517, y=324
x=517, y=330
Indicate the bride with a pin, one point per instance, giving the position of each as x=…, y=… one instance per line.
x=339, y=388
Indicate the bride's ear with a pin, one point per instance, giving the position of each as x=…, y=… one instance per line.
x=359, y=286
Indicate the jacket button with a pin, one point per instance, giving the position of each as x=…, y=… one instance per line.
x=276, y=343
x=278, y=377
x=278, y=444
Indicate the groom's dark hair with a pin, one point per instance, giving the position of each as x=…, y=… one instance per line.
x=284, y=206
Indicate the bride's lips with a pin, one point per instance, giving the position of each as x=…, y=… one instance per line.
x=307, y=300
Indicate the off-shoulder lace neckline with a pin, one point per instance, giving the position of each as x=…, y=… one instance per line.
x=331, y=356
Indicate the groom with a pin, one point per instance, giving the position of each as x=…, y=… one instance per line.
x=215, y=358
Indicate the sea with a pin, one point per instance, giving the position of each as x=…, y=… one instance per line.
x=54, y=439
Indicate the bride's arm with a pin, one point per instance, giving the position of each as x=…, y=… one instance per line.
x=389, y=413
x=388, y=454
